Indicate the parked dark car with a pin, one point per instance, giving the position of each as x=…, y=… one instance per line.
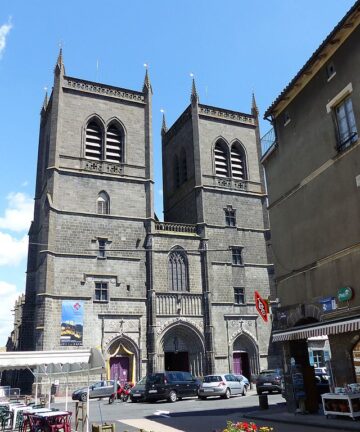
x=269, y=380
x=98, y=390
x=170, y=385
x=137, y=393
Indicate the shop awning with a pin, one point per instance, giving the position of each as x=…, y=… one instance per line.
x=61, y=361
x=318, y=329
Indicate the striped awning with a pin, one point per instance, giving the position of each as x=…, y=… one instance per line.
x=318, y=329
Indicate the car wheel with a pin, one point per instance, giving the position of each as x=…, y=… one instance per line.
x=83, y=397
x=259, y=392
x=244, y=391
x=227, y=394
x=133, y=400
x=202, y=397
x=172, y=396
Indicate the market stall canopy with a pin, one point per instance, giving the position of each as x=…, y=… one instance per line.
x=53, y=362
x=317, y=329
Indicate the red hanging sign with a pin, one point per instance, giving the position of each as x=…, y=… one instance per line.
x=261, y=306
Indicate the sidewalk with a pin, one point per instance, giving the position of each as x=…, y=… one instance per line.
x=279, y=414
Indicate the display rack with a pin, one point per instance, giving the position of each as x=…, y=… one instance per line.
x=342, y=404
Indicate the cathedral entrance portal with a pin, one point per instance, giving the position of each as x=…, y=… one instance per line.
x=178, y=361
x=122, y=360
x=245, y=357
x=181, y=348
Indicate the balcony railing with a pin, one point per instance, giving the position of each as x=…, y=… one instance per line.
x=179, y=304
x=175, y=227
x=267, y=141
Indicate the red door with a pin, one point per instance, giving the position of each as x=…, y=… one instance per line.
x=119, y=369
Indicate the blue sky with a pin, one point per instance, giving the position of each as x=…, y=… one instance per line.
x=232, y=47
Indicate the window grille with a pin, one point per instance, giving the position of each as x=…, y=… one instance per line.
x=94, y=145
x=346, y=123
x=221, y=161
x=237, y=256
x=101, y=291
x=239, y=295
x=238, y=163
x=114, y=149
x=178, y=271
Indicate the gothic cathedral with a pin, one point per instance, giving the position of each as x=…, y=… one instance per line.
x=104, y=272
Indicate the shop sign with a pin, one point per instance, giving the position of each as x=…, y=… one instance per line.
x=345, y=294
x=328, y=304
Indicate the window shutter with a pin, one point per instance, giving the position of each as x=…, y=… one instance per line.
x=93, y=147
x=114, y=150
x=237, y=163
x=221, y=162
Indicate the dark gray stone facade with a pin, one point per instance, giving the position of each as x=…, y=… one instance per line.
x=200, y=326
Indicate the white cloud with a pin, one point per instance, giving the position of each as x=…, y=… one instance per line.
x=12, y=250
x=19, y=212
x=9, y=295
x=4, y=31
x=160, y=192
x=24, y=183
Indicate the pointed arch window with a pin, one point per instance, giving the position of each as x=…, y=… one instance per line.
x=184, y=173
x=103, y=203
x=238, y=162
x=221, y=160
x=93, y=141
x=178, y=271
x=176, y=172
x=114, y=144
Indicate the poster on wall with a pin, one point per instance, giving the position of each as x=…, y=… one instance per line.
x=72, y=321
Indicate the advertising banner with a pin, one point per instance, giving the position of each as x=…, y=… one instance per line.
x=72, y=321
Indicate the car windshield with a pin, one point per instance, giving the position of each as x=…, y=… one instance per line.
x=142, y=381
x=212, y=378
x=270, y=372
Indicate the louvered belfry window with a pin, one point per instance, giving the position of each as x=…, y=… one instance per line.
x=221, y=161
x=238, y=163
x=178, y=271
x=94, y=145
x=114, y=148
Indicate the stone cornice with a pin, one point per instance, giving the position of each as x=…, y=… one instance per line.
x=228, y=115
x=103, y=90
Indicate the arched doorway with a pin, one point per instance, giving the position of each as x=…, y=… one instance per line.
x=181, y=348
x=122, y=360
x=245, y=360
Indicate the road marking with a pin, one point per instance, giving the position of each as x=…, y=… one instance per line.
x=148, y=425
x=162, y=413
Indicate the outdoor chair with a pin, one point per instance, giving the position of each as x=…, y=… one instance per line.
x=6, y=419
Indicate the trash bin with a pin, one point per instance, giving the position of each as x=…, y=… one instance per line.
x=263, y=401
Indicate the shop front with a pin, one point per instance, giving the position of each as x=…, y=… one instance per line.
x=343, y=367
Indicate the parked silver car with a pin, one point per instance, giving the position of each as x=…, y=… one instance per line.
x=223, y=385
x=98, y=390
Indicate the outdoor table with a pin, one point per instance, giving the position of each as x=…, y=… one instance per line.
x=26, y=409
x=50, y=421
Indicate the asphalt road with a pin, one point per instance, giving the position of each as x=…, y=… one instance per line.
x=188, y=415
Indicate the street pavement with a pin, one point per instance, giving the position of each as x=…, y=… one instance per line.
x=193, y=415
